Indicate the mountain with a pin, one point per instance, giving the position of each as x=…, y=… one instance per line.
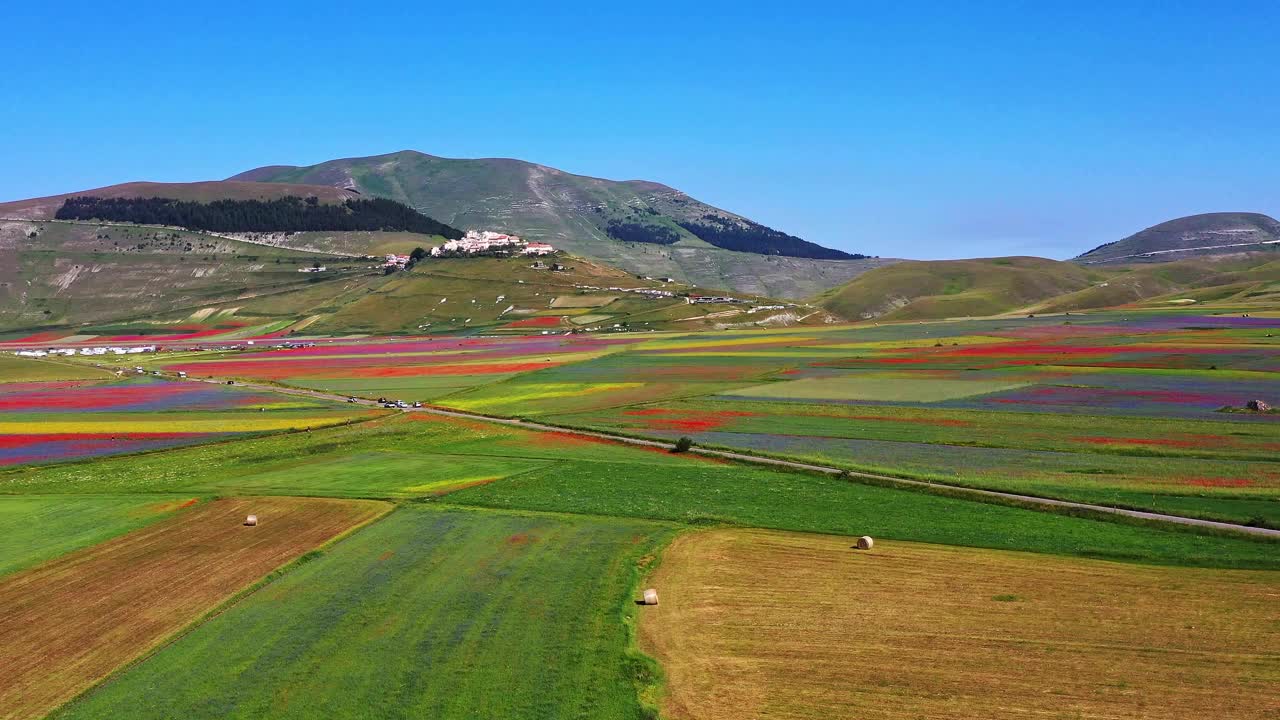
x=1207, y=234
x=931, y=290
x=90, y=278
x=44, y=208
x=78, y=273
x=643, y=227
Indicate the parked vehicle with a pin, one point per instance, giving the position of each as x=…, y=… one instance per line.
x=351, y=400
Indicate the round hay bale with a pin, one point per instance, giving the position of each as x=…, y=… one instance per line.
x=865, y=542
x=650, y=597
x=251, y=521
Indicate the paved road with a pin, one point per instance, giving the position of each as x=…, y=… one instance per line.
x=788, y=464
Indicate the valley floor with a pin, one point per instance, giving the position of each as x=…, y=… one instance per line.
x=421, y=563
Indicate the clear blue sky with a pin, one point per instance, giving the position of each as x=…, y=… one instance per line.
x=910, y=129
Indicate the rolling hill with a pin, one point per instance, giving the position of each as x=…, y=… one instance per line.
x=1207, y=234
x=140, y=280
x=643, y=227
x=930, y=290
x=955, y=288
x=66, y=273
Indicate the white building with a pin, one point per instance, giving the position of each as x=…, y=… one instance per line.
x=474, y=243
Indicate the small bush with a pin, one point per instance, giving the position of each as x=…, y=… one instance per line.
x=683, y=444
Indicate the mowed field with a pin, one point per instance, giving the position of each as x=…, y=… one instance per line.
x=69, y=622
x=764, y=624
x=34, y=528
x=427, y=614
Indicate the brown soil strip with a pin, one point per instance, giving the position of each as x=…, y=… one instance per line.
x=68, y=623
x=759, y=624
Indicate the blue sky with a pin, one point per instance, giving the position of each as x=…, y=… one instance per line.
x=909, y=129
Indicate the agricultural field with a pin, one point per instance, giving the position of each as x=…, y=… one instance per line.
x=1142, y=409
x=426, y=614
x=765, y=624
x=69, y=622
x=409, y=563
x=34, y=528
x=59, y=420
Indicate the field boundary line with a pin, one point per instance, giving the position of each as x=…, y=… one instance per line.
x=235, y=599
x=926, y=485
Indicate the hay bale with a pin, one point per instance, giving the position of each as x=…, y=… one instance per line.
x=650, y=597
x=251, y=521
x=865, y=542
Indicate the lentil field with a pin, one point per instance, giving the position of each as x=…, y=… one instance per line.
x=1141, y=409
x=69, y=622
x=409, y=564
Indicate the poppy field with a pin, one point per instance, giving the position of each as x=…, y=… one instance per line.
x=53, y=421
x=414, y=561
x=1143, y=409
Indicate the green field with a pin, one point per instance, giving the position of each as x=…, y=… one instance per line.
x=502, y=585
x=17, y=369
x=429, y=613
x=872, y=388
x=517, y=469
x=709, y=495
x=35, y=528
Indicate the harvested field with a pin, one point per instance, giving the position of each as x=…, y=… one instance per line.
x=756, y=623
x=582, y=301
x=68, y=623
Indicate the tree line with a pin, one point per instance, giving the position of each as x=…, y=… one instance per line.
x=747, y=236
x=286, y=214
x=641, y=233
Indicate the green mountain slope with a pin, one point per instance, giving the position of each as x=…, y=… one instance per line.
x=976, y=288
x=129, y=279
x=955, y=288
x=65, y=273
x=1207, y=234
x=643, y=227
x=1253, y=279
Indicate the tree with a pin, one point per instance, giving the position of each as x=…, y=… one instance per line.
x=417, y=254
x=683, y=444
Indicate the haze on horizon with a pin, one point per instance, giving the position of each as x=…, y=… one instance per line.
x=926, y=130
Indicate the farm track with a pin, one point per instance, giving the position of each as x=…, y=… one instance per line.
x=972, y=493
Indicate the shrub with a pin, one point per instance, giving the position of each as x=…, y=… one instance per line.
x=683, y=444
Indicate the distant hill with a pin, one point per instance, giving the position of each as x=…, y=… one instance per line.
x=954, y=288
x=44, y=208
x=930, y=290
x=1207, y=234
x=644, y=227
x=64, y=273
x=128, y=279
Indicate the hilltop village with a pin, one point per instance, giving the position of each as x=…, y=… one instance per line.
x=474, y=243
